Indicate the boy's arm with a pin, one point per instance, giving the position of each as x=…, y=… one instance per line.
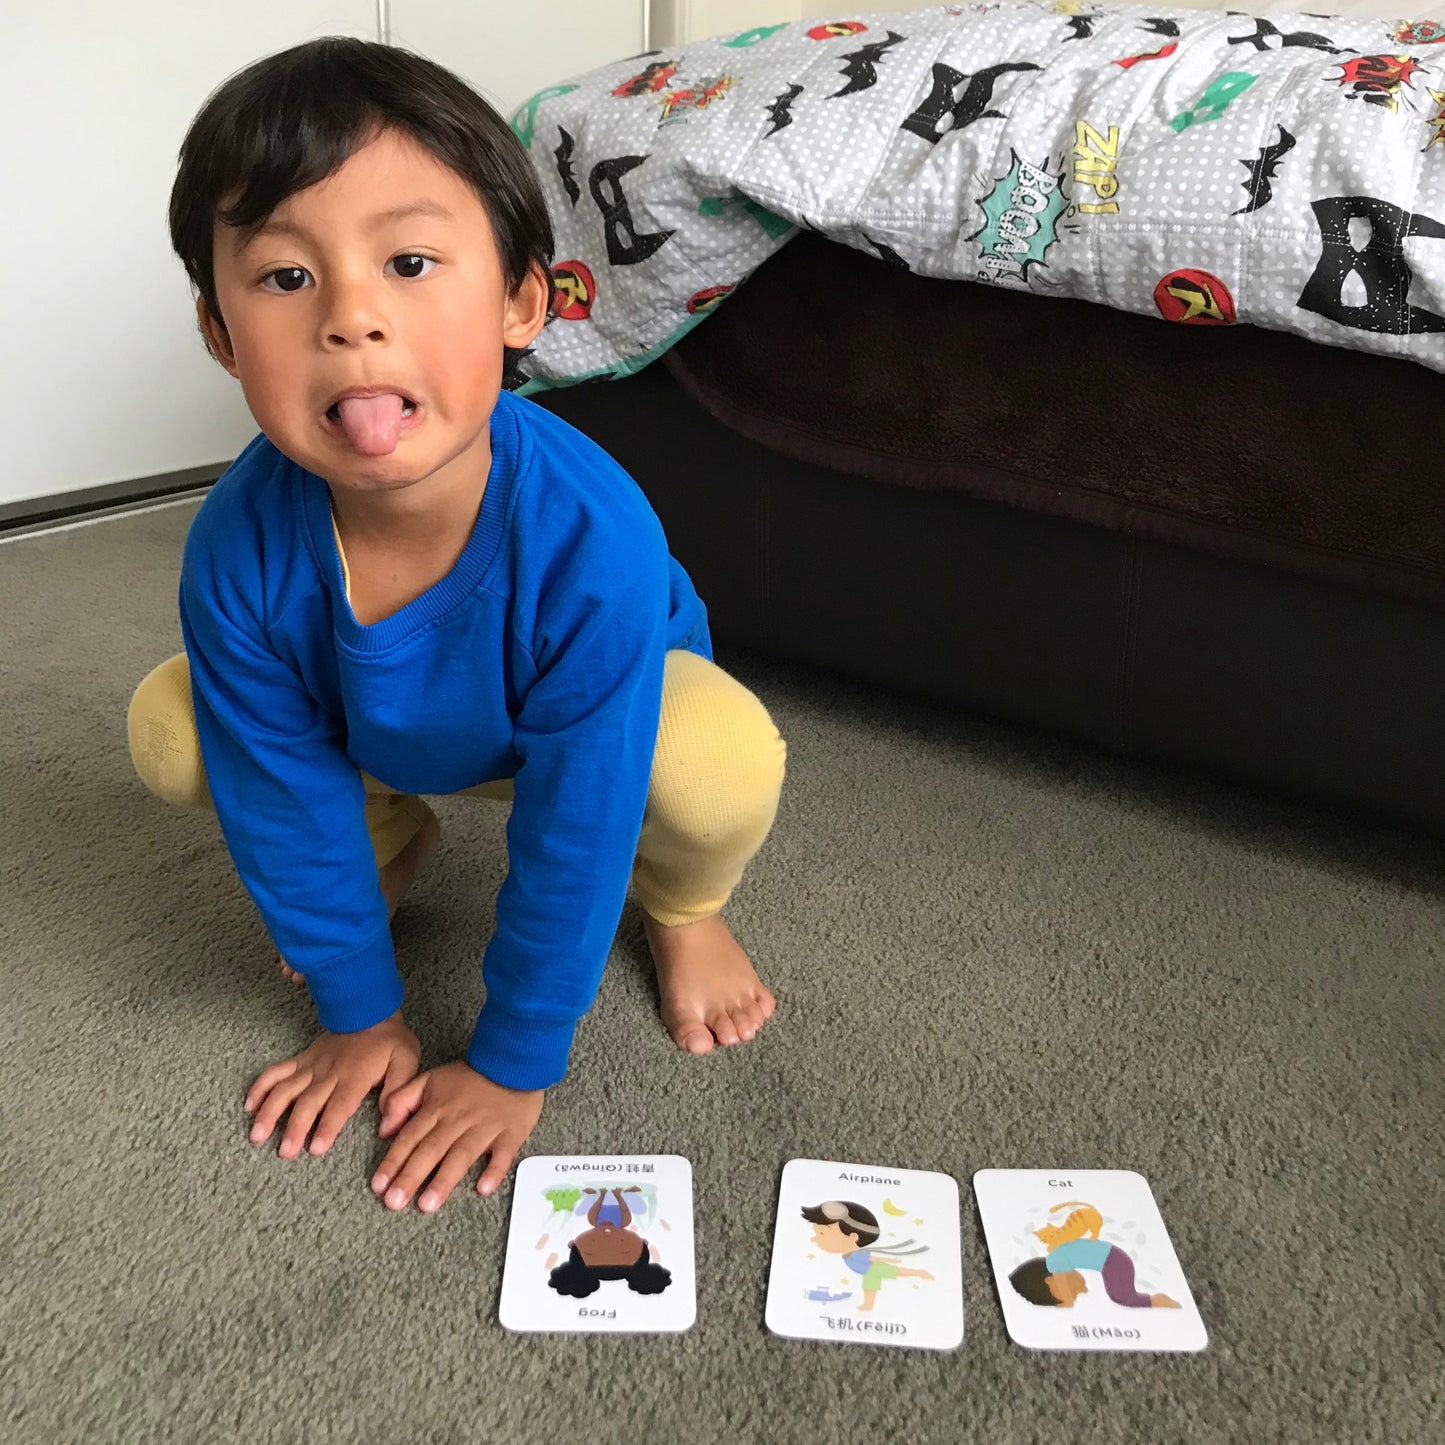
x=586, y=733
x=290, y=803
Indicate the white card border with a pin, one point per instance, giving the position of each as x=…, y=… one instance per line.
x=779, y=1241
x=536, y=1161
x=1012, y=1310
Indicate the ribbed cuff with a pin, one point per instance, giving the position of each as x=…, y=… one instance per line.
x=518, y=1051
x=358, y=989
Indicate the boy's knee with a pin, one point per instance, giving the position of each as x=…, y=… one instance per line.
x=161, y=728
x=720, y=751
x=761, y=751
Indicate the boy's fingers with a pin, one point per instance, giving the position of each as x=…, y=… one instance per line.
x=504, y=1150
x=276, y=1103
x=400, y=1069
x=267, y=1082
x=398, y=1107
x=423, y=1159
x=412, y=1133
x=303, y=1116
x=460, y=1157
x=343, y=1103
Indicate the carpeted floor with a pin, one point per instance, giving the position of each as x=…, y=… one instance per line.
x=989, y=949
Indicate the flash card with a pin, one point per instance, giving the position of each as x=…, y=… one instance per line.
x=1082, y=1261
x=600, y=1243
x=866, y=1255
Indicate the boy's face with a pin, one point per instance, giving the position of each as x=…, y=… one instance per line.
x=831, y=1239
x=359, y=308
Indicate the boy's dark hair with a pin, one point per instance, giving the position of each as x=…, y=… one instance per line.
x=861, y=1223
x=294, y=118
x=1028, y=1279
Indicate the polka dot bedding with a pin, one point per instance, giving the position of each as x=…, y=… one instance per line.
x=1207, y=168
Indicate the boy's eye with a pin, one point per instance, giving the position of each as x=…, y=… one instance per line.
x=408, y=269
x=289, y=273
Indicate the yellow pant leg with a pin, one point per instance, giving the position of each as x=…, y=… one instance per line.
x=166, y=751
x=717, y=774
x=161, y=727
x=502, y=791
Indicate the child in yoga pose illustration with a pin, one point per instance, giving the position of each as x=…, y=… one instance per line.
x=1057, y=1279
x=841, y=1227
x=609, y=1249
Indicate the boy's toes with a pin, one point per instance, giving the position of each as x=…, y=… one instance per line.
x=696, y=1038
x=745, y=1023
x=724, y=1029
x=751, y=1017
x=690, y=1034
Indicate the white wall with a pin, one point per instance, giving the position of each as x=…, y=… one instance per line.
x=677, y=21
x=523, y=46
x=105, y=377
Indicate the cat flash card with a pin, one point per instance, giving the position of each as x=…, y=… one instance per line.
x=1082, y=1261
x=600, y=1243
x=866, y=1255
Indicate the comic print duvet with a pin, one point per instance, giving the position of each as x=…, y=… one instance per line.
x=1203, y=167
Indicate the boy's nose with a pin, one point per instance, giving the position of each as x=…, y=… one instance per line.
x=355, y=313
x=343, y=335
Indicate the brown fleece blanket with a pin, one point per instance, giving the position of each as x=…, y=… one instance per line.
x=1250, y=444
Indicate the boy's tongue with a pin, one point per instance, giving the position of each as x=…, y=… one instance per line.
x=372, y=423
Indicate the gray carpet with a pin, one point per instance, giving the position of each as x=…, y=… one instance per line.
x=989, y=949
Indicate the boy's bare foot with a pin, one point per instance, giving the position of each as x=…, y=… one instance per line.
x=710, y=990
x=398, y=875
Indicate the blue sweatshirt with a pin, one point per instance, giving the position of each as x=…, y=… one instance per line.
x=538, y=657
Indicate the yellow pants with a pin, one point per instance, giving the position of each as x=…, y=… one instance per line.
x=717, y=771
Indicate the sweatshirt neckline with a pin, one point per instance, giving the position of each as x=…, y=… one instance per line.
x=469, y=570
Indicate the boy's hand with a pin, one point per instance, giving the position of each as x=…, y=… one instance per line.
x=330, y=1078
x=450, y=1117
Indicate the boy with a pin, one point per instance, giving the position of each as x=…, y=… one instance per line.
x=414, y=582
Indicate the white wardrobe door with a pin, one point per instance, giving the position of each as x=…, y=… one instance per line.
x=510, y=49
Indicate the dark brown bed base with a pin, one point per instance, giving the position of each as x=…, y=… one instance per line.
x=1148, y=649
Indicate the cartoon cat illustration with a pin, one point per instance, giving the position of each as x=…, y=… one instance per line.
x=1084, y=1220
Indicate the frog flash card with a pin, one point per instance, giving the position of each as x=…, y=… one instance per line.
x=600, y=1244
x=866, y=1255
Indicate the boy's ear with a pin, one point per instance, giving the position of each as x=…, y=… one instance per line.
x=526, y=311
x=218, y=339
